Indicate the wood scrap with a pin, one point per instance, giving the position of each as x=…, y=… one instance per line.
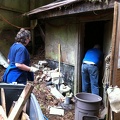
x=15, y=113
x=25, y=108
x=25, y=116
x=22, y=114
x=2, y=114
x=3, y=101
x=13, y=104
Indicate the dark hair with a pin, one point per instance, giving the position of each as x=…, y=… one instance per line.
x=97, y=46
x=22, y=35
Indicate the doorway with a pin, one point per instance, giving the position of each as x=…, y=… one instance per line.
x=94, y=34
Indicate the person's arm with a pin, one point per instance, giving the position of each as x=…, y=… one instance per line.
x=26, y=68
x=22, y=67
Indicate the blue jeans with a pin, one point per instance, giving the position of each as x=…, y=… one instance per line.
x=90, y=76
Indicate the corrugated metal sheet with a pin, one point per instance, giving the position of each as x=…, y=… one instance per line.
x=51, y=6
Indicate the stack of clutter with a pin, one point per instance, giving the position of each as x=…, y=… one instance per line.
x=55, y=82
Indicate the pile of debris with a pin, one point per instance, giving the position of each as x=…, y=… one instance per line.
x=54, y=80
x=55, y=96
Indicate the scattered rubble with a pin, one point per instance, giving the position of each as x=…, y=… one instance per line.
x=47, y=100
x=44, y=83
x=54, y=97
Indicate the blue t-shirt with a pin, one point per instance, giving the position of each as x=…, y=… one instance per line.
x=93, y=55
x=17, y=54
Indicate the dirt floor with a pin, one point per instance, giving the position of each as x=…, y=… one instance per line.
x=47, y=100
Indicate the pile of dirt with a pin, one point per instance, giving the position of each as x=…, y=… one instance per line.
x=46, y=99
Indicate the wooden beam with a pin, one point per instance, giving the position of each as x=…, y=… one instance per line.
x=15, y=113
x=51, y=6
x=73, y=9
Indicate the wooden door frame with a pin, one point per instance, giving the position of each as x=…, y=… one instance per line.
x=115, y=46
x=79, y=56
x=114, y=52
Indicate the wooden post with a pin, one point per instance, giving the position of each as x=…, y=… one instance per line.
x=115, y=21
x=59, y=58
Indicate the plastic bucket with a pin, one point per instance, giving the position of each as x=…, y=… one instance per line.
x=67, y=100
x=86, y=104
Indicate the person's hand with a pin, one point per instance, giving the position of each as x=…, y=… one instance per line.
x=33, y=69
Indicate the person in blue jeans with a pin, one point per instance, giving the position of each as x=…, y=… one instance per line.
x=90, y=70
x=19, y=69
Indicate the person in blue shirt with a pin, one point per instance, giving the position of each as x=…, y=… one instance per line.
x=19, y=69
x=90, y=70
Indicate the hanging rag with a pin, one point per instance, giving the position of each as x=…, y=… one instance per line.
x=114, y=98
x=106, y=78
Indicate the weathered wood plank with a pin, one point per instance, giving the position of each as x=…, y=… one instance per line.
x=51, y=6
x=15, y=113
x=2, y=114
x=25, y=116
x=12, y=106
x=3, y=101
x=72, y=9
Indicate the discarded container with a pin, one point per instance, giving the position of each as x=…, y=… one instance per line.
x=12, y=93
x=67, y=100
x=86, y=104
